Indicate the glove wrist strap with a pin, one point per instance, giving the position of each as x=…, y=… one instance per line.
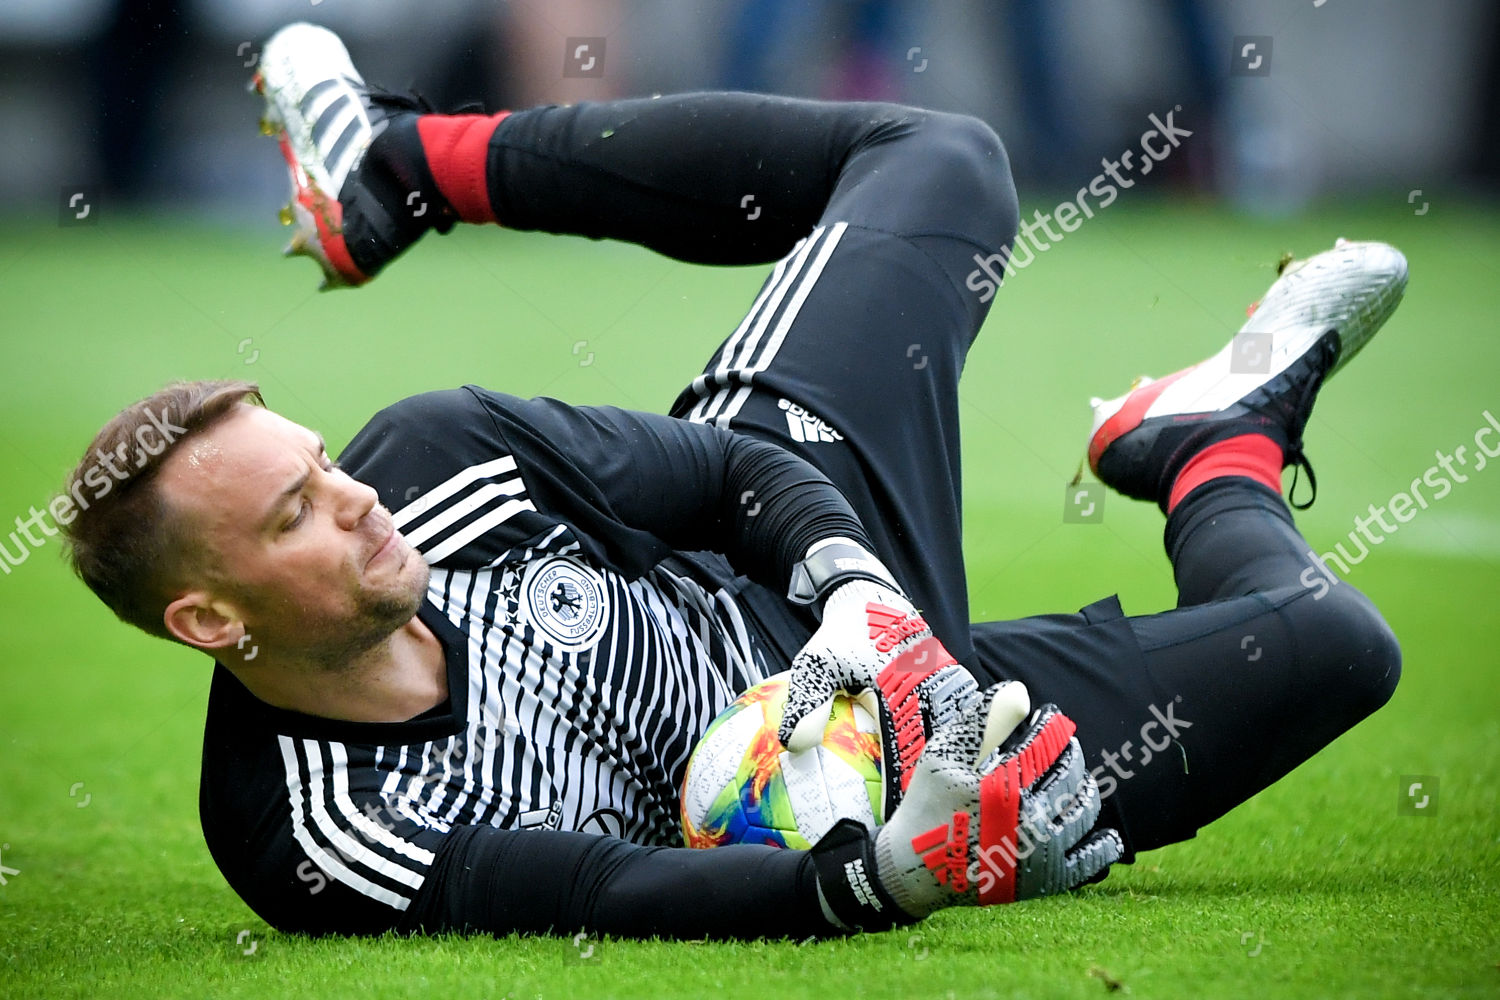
x=848, y=882
x=832, y=562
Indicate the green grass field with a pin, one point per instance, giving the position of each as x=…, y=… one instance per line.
x=1317, y=888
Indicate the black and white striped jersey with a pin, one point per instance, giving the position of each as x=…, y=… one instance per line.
x=590, y=633
x=586, y=693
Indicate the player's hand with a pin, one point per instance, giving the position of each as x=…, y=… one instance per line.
x=978, y=825
x=875, y=646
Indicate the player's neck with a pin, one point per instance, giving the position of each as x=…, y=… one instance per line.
x=395, y=680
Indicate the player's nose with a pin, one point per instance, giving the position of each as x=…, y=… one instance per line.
x=355, y=501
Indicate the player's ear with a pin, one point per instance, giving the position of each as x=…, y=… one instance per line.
x=202, y=621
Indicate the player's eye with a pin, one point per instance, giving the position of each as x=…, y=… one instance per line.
x=295, y=522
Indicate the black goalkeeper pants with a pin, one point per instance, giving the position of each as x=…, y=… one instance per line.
x=887, y=225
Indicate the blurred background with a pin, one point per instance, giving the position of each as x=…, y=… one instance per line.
x=140, y=101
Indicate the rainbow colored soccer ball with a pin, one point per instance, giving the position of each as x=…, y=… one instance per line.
x=743, y=787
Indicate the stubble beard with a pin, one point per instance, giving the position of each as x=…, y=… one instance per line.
x=379, y=617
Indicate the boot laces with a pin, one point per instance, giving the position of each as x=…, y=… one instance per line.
x=1292, y=413
x=412, y=100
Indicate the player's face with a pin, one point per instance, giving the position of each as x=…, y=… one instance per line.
x=305, y=555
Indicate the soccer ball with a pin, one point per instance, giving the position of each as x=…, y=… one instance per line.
x=743, y=787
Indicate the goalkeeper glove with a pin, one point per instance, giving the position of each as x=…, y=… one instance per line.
x=978, y=825
x=874, y=645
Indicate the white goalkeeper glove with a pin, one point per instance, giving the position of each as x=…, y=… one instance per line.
x=978, y=825
x=875, y=646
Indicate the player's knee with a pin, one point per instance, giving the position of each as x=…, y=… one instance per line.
x=1358, y=653
x=1379, y=653
x=974, y=168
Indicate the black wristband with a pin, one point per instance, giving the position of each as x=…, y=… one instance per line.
x=845, y=859
x=831, y=563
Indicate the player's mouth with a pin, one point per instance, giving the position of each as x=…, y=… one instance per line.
x=390, y=545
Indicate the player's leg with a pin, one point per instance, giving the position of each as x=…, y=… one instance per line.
x=712, y=178
x=850, y=355
x=1185, y=714
x=1268, y=657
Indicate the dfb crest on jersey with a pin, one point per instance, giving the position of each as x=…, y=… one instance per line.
x=566, y=602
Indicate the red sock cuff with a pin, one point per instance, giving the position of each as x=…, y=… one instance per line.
x=1253, y=456
x=457, y=150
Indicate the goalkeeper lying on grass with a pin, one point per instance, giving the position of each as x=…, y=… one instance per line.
x=459, y=675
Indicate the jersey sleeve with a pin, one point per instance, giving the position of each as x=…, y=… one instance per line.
x=311, y=847
x=469, y=473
